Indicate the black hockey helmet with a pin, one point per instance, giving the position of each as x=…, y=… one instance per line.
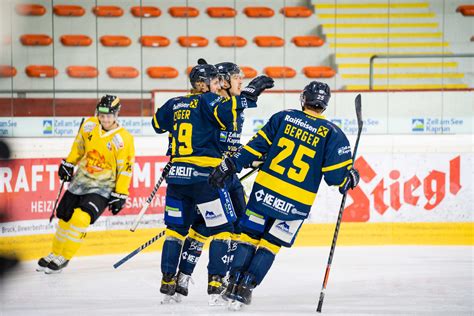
x=227, y=69
x=109, y=104
x=316, y=94
x=202, y=72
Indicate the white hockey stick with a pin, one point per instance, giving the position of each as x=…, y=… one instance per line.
x=166, y=169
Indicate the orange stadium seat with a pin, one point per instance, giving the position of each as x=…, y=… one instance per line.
x=221, y=12
x=280, y=72
x=145, y=12
x=259, y=12
x=192, y=41
x=269, y=41
x=308, y=41
x=36, y=40
x=107, y=11
x=7, y=71
x=41, y=71
x=69, y=10
x=115, y=40
x=249, y=72
x=76, y=40
x=122, y=72
x=296, y=12
x=319, y=72
x=231, y=41
x=183, y=12
x=466, y=10
x=162, y=72
x=82, y=71
x=30, y=9
x=154, y=41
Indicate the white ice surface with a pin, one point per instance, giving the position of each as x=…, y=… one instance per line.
x=363, y=280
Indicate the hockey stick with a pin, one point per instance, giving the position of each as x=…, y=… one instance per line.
x=61, y=188
x=166, y=169
x=133, y=253
x=248, y=174
x=358, y=107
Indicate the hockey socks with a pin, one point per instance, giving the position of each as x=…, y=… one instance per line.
x=218, y=254
x=78, y=224
x=171, y=252
x=191, y=252
x=59, y=238
x=263, y=260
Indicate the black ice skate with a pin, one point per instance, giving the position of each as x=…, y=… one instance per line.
x=245, y=288
x=43, y=262
x=168, y=284
x=231, y=289
x=215, y=288
x=182, y=283
x=56, y=265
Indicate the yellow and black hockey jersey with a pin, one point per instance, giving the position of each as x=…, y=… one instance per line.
x=104, y=160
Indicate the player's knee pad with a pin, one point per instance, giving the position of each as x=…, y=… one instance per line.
x=282, y=232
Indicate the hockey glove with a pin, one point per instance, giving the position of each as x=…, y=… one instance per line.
x=66, y=170
x=351, y=181
x=117, y=202
x=221, y=173
x=256, y=86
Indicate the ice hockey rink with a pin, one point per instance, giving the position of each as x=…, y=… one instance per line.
x=402, y=280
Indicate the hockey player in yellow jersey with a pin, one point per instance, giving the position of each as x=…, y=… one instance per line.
x=104, y=153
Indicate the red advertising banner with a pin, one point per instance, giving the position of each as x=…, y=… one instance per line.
x=29, y=187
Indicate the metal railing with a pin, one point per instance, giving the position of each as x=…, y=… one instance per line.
x=389, y=56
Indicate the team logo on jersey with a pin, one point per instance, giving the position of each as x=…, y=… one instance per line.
x=274, y=202
x=109, y=145
x=89, y=126
x=322, y=131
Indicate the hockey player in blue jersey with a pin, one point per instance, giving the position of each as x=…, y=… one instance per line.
x=194, y=122
x=301, y=147
x=231, y=85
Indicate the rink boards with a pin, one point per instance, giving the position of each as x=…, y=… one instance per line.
x=414, y=190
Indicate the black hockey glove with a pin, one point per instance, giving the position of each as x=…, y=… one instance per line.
x=256, y=86
x=117, y=202
x=66, y=170
x=220, y=173
x=352, y=179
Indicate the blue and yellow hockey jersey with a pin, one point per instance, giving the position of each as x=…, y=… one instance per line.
x=300, y=149
x=195, y=122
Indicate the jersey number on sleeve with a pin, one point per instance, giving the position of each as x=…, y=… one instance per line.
x=288, y=148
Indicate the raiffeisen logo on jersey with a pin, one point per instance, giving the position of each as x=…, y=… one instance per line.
x=273, y=202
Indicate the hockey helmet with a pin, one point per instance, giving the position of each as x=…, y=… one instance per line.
x=109, y=104
x=202, y=72
x=227, y=69
x=316, y=94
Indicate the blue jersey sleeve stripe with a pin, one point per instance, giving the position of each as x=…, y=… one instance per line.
x=252, y=151
x=337, y=166
x=284, y=188
x=262, y=133
x=216, y=115
x=234, y=112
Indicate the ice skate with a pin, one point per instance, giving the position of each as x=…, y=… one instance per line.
x=43, y=262
x=168, y=284
x=56, y=265
x=235, y=306
x=215, y=288
x=245, y=288
x=170, y=299
x=182, y=283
